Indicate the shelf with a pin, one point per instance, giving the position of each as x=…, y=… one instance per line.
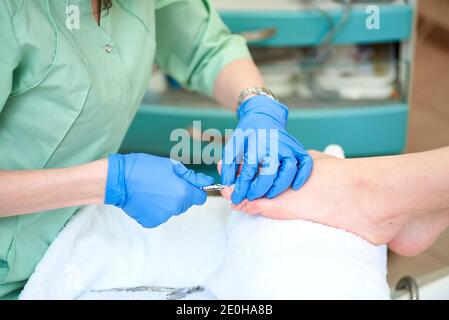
x=330, y=85
x=360, y=130
x=308, y=27
x=183, y=99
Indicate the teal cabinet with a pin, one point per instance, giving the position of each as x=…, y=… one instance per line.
x=307, y=28
x=361, y=131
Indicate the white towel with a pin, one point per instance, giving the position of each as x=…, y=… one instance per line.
x=267, y=259
x=102, y=248
x=233, y=255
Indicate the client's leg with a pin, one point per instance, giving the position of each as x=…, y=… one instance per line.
x=419, y=234
x=384, y=200
x=331, y=196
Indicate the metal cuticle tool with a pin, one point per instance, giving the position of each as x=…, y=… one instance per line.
x=170, y=293
x=214, y=187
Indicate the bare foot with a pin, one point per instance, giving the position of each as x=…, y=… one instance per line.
x=338, y=195
x=332, y=196
x=419, y=233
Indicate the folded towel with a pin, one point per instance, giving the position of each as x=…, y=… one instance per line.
x=233, y=255
x=267, y=259
x=102, y=248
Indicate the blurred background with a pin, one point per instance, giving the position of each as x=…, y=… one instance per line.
x=372, y=76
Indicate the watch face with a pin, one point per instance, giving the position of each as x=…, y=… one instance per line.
x=255, y=90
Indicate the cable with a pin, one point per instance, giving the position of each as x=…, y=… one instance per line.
x=325, y=50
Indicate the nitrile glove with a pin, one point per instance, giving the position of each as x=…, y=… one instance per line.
x=289, y=165
x=151, y=189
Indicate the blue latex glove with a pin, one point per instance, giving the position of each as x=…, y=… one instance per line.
x=289, y=165
x=151, y=189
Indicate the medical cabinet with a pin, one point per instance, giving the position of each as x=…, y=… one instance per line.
x=361, y=106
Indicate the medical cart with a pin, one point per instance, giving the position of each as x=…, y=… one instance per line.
x=362, y=126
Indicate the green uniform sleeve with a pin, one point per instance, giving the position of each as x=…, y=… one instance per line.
x=193, y=44
x=9, y=52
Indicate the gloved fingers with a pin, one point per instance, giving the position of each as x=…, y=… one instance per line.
x=219, y=165
x=230, y=165
x=191, y=196
x=198, y=197
x=153, y=222
x=264, y=180
x=304, y=171
x=227, y=191
x=196, y=179
x=147, y=217
x=247, y=175
x=286, y=175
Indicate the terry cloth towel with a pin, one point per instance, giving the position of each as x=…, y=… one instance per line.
x=234, y=256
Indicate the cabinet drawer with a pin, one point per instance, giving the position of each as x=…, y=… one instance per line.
x=361, y=131
x=309, y=27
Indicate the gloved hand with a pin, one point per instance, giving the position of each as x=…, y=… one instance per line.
x=151, y=189
x=289, y=165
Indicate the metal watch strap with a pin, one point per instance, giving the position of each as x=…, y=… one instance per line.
x=255, y=90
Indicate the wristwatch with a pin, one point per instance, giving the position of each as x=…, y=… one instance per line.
x=255, y=90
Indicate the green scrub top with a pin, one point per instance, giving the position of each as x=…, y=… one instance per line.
x=68, y=95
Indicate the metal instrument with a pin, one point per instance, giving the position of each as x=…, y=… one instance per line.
x=214, y=188
x=170, y=293
x=410, y=285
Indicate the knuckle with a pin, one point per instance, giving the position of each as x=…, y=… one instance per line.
x=247, y=173
x=290, y=166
